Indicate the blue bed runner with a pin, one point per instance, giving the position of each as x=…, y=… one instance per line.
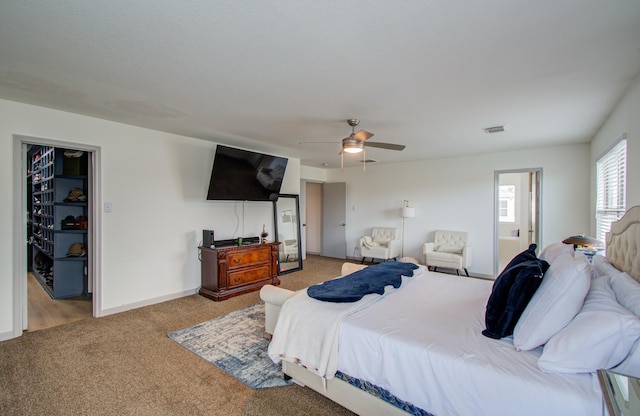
x=352, y=287
x=383, y=394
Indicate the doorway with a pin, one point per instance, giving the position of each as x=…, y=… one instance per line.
x=55, y=262
x=517, y=213
x=325, y=219
x=334, y=218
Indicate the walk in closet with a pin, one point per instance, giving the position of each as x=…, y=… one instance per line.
x=57, y=187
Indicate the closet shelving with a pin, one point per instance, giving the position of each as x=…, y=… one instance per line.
x=59, y=220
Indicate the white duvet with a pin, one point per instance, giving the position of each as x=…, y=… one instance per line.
x=307, y=329
x=423, y=343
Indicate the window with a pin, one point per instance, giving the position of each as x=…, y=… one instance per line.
x=507, y=203
x=611, y=173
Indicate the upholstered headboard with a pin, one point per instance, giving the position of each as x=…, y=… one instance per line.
x=623, y=243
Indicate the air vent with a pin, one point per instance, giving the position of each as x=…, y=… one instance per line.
x=369, y=161
x=494, y=129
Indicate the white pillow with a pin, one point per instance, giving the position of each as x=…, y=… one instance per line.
x=443, y=248
x=551, y=252
x=603, y=266
x=555, y=303
x=627, y=292
x=600, y=336
x=631, y=365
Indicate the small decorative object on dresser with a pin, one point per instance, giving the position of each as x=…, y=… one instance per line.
x=264, y=234
x=229, y=271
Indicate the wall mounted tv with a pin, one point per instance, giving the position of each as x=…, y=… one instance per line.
x=241, y=175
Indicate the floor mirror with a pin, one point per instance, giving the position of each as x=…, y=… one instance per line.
x=287, y=229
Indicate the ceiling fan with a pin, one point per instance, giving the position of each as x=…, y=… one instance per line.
x=356, y=142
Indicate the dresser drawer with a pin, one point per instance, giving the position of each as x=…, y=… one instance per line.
x=247, y=258
x=249, y=276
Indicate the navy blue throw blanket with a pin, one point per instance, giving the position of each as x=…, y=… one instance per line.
x=354, y=286
x=512, y=291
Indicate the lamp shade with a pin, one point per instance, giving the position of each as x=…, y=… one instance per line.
x=582, y=240
x=408, y=212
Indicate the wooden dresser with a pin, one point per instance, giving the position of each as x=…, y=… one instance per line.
x=233, y=270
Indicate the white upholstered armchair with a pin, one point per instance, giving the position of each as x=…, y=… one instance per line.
x=449, y=250
x=383, y=244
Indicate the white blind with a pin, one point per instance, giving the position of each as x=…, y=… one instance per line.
x=611, y=171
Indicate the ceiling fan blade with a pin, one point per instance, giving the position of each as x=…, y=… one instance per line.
x=317, y=142
x=363, y=135
x=388, y=146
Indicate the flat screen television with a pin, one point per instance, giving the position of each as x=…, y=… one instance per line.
x=242, y=175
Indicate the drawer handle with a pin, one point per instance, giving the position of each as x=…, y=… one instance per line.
x=237, y=280
x=236, y=260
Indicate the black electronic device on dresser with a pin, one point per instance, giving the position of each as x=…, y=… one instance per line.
x=208, y=238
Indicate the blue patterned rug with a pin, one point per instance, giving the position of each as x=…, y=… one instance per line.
x=237, y=344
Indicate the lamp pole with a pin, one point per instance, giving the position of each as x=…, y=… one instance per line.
x=406, y=212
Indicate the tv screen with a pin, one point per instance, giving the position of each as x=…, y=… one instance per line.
x=241, y=175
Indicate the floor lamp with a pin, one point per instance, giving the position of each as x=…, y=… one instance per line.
x=406, y=212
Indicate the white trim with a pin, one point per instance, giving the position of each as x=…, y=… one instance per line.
x=20, y=226
x=19, y=237
x=4, y=336
x=148, y=302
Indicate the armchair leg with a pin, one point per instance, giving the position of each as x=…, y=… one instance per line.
x=465, y=270
x=458, y=272
x=362, y=262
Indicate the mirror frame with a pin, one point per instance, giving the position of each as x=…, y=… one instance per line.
x=296, y=200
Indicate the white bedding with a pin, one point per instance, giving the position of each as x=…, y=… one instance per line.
x=307, y=329
x=440, y=361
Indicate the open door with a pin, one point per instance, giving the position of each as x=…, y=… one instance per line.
x=517, y=213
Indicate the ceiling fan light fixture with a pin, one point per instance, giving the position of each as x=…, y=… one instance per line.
x=351, y=145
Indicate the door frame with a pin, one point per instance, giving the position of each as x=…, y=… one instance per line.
x=94, y=261
x=496, y=219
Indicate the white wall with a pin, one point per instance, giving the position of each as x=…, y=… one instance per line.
x=458, y=194
x=157, y=183
x=624, y=119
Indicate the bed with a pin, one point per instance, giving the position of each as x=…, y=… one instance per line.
x=420, y=349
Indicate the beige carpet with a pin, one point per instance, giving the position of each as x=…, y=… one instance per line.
x=125, y=364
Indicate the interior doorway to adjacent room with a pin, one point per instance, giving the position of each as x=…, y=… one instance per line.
x=517, y=213
x=325, y=219
x=55, y=273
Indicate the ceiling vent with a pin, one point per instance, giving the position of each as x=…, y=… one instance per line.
x=494, y=129
x=369, y=161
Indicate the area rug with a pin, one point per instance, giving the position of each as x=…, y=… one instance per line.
x=237, y=344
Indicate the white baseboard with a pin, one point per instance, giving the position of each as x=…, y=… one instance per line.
x=4, y=336
x=146, y=302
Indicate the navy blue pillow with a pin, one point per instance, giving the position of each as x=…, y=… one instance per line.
x=512, y=291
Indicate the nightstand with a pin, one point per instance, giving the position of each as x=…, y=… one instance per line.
x=621, y=393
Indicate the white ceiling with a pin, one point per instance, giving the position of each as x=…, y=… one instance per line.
x=267, y=75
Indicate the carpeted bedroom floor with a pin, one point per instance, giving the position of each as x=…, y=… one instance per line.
x=124, y=364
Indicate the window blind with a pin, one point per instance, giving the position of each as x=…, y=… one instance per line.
x=611, y=173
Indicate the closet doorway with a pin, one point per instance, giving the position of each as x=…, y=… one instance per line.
x=55, y=276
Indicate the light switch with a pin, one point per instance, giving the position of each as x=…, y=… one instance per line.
x=108, y=207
